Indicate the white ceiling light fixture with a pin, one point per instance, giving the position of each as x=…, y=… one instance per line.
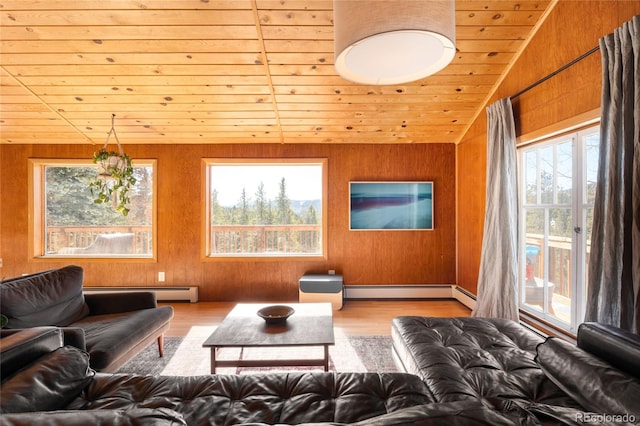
x=384, y=42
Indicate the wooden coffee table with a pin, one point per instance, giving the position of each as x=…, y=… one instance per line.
x=310, y=325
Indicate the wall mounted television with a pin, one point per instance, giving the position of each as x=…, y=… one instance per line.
x=390, y=206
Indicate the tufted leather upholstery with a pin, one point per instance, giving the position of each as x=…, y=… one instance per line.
x=270, y=398
x=39, y=374
x=474, y=358
x=476, y=372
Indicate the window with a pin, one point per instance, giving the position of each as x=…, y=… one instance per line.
x=557, y=186
x=265, y=208
x=67, y=222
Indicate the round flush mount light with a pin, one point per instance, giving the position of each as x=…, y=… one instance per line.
x=392, y=42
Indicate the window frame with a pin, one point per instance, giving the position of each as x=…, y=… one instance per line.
x=206, y=191
x=37, y=204
x=579, y=209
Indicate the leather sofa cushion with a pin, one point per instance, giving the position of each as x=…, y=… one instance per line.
x=474, y=358
x=136, y=416
x=459, y=413
x=50, y=383
x=269, y=398
x=47, y=298
x=595, y=384
x=110, y=336
x=617, y=347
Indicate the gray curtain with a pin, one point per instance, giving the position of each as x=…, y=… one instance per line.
x=497, y=280
x=614, y=262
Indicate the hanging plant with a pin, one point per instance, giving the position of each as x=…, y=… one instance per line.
x=115, y=176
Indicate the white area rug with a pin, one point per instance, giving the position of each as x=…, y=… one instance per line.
x=353, y=354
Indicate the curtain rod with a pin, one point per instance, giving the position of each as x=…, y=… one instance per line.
x=558, y=71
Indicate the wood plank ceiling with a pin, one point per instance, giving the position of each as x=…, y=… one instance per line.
x=231, y=71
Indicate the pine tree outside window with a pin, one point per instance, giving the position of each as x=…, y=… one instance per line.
x=67, y=223
x=265, y=208
x=558, y=176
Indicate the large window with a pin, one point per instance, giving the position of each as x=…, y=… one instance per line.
x=265, y=208
x=68, y=223
x=557, y=187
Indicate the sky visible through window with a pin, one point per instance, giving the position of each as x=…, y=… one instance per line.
x=303, y=181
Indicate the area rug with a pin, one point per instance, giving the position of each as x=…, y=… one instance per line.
x=186, y=356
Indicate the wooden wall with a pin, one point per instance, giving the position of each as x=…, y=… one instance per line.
x=572, y=28
x=391, y=257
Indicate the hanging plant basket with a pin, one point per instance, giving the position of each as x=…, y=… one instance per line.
x=115, y=176
x=109, y=163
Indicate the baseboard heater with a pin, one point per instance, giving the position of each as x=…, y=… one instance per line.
x=189, y=294
x=397, y=291
x=463, y=296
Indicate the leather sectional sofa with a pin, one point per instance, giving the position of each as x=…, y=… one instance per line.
x=510, y=367
x=44, y=382
x=465, y=371
x=458, y=371
x=112, y=327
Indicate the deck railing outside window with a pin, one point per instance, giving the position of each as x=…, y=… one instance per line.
x=61, y=239
x=266, y=239
x=225, y=239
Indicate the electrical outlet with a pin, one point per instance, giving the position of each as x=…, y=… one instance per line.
x=332, y=271
x=161, y=277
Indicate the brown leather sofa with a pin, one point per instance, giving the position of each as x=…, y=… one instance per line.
x=112, y=327
x=464, y=371
x=502, y=363
x=470, y=372
x=44, y=382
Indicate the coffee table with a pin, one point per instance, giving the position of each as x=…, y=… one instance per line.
x=310, y=325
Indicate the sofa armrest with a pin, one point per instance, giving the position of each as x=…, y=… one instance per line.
x=619, y=348
x=24, y=346
x=74, y=336
x=595, y=384
x=113, y=303
x=71, y=336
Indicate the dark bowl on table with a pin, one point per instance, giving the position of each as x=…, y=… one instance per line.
x=276, y=314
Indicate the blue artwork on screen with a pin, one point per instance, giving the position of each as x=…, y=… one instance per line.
x=391, y=205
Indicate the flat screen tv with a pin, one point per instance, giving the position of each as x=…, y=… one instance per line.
x=390, y=206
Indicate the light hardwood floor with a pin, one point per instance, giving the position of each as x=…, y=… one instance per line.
x=357, y=317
